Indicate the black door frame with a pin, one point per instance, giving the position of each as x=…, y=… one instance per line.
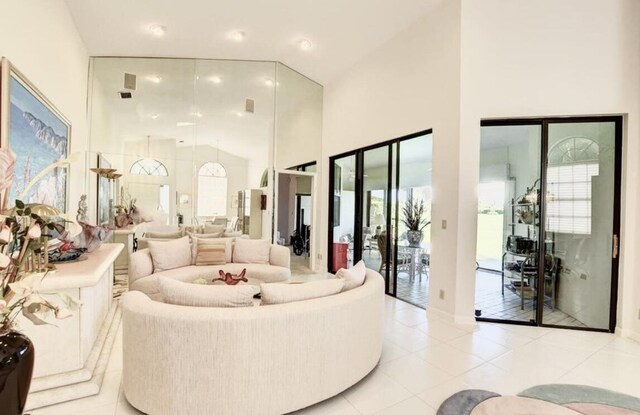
x=544, y=123
x=390, y=277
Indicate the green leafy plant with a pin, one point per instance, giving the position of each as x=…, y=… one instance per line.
x=412, y=215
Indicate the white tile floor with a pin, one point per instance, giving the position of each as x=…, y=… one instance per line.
x=425, y=360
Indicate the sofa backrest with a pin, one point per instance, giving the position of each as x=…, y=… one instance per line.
x=141, y=263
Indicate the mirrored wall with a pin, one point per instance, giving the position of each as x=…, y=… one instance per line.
x=198, y=140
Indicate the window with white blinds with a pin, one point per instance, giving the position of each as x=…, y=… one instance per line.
x=569, y=197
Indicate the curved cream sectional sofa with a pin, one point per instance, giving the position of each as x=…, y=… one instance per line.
x=142, y=277
x=269, y=359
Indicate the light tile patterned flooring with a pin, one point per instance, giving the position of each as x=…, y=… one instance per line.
x=425, y=360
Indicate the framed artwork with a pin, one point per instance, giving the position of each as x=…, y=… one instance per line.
x=39, y=135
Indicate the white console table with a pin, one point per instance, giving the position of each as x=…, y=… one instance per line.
x=71, y=354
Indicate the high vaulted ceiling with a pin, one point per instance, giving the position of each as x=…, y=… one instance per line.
x=341, y=32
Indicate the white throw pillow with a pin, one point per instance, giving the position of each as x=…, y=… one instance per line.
x=227, y=242
x=287, y=293
x=197, y=295
x=214, y=228
x=170, y=254
x=353, y=277
x=232, y=234
x=251, y=251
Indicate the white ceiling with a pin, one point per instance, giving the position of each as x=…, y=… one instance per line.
x=341, y=32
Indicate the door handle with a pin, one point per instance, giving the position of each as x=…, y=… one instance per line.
x=616, y=246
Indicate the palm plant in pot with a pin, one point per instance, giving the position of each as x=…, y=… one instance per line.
x=412, y=218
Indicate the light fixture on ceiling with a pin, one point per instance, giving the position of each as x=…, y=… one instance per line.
x=269, y=82
x=237, y=36
x=305, y=44
x=197, y=114
x=156, y=79
x=154, y=116
x=215, y=79
x=157, y=30
x=239, y=114
x=185, y=124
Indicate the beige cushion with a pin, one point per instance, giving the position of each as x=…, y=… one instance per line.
x=287, y=293
x=227, y=242
x=251, y=251
x=196, y=295
x=208, y=235
x=353, y=277
x=170, y=254
x=230, y=234
x=208, y=253
x=163, y=235
x=214, y=228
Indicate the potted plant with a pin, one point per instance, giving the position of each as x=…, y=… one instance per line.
x=22, y=269
x=412, y=217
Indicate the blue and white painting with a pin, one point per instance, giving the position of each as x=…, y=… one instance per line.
x=38, y=137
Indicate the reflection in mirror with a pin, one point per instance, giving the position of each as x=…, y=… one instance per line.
x=192, y=134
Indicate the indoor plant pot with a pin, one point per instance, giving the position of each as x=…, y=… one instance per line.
x=16, y=368
x=414, y=237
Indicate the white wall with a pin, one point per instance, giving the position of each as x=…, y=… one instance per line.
x=547, y=58
x=40, y=39
x=408, y=85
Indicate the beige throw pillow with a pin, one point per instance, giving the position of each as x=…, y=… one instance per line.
x=197, y=295
x=214, y=228
x=287, y=293
x=251, y=251
x=226, y=242
x=209, y=254
x=170, y=254
x=353, y=277
x=206, y=235
x=164, y=235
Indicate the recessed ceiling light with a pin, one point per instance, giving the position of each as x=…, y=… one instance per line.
x=237, y=35
x=269, y=82
x=154, y=116
x=305, y=44
x=215, y=79
x=197, y=114
x=185, y=124
x=157, y=30
x=239, y=114
x=155, y=79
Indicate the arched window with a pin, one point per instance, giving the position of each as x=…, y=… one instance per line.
x=572, y=163
x=212, y=190
x=148, y=167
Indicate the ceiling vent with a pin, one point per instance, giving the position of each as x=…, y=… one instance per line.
x=125, y=94
x=129, y=81
x=249, y=105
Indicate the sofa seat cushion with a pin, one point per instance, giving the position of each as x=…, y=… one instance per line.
x=288, y=293
x=257, y=273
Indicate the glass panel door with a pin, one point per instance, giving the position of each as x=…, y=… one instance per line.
x=344, y=212
x=413, y=230
x=508, y=222
x=376, y=185
x=579, y=222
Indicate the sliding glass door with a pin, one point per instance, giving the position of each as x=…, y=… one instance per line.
x=581, y=239
x=371, y=189
x=549, y=197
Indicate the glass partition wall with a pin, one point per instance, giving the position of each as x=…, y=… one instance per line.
x=548, y=221
x=371, y=188
x=195, y=139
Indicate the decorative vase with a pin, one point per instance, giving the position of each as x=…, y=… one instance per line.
x=414, y=238
x=16, y=368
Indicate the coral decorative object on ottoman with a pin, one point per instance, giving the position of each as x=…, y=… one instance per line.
x=231, y=279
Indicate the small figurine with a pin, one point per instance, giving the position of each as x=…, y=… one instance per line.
x=231, y=279
x=82, y=209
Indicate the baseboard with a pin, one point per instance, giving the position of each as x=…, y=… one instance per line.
x=459, y=320
x=63, y=387
x=629, y=334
